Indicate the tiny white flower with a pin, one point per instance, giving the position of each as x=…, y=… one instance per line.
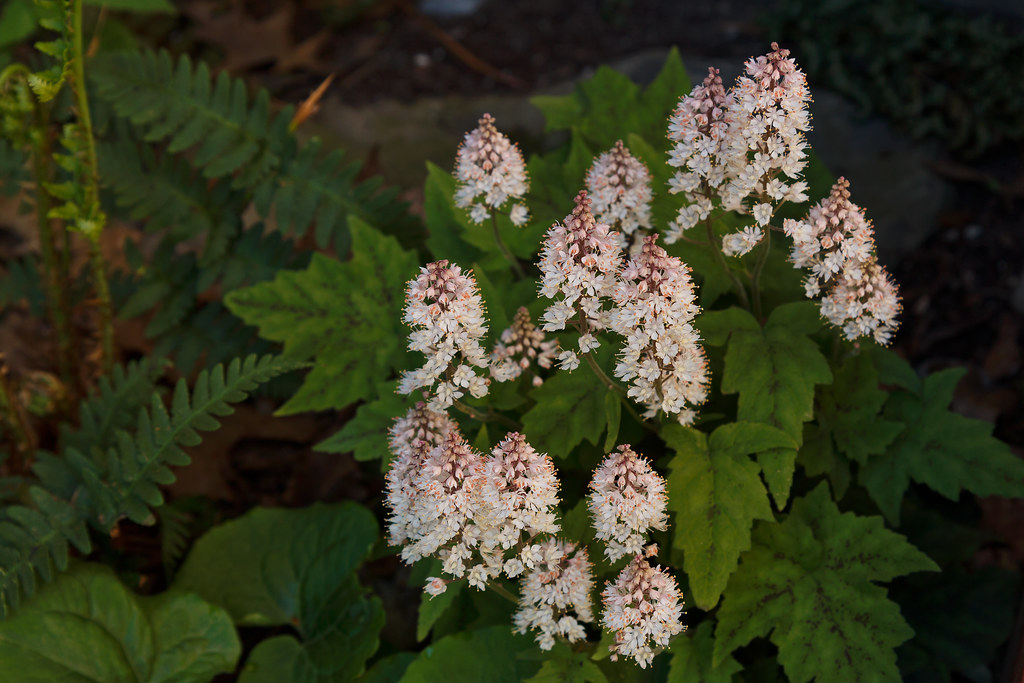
x=435, y=586
x=519, y=215
x=479, y=213
x=588, y=343
x=568, y=360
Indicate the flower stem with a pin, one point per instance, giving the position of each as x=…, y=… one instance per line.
x=504, y=250
x=755, y=279
x=489, y=416
x=104, y=305
x=55, y=285
x=716, y=249
x=505, y=593
x=611, y=384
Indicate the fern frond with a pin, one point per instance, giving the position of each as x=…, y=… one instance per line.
x=112, y=405
x=120, y=481
x=125, y=481
x=310, y=188
x=34, y=542
x=56, y=16
x=226, y=134
x=179, y=104
x=166, y=192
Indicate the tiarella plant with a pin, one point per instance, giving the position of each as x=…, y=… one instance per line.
x=666, y=313
x=631, y=399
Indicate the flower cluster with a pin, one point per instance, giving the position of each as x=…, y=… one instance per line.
x=864, y=302
x=644, y=605
x=627, y=498
x=477, y=515
x=836, y=242
x=410, y=439
x=521, y=346
x=698, y=130
x=519, y=495
x=765, y=142
x=446, y=313
x=442, y=492
x=555, y=595
x=488, y=165
x=654, y=310
x=619, y=185
x=745, y=146
x=578, y=265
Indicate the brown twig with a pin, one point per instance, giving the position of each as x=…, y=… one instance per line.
x=458, y=49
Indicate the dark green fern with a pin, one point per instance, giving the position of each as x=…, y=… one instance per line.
x=119, y=481
x=124, y=481
x=229, y=135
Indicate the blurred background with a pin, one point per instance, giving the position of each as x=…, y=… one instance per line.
x=920, y=104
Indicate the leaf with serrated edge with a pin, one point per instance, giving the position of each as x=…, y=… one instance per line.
x=809, y=582
x=940, y=449
x=691, y=659
x=850, y=408
x=336, y=649
x=716, y=492
x=348, y=315
x=366, y=434
x=774, y=370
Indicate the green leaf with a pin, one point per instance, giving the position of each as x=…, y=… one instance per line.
x=809, y=582
x=774, y=371
x=942, y=450
x=366, y=434
x=894, y=370
x=562, y=664
x=716, y=493
x=18, y=21
x=294, y=567
x=487, y=654
x=195, y=640
x=273, y=565
x=570, y=407
x=850, y=409
x=345, y=315
x=432, y=607
x=388, y=669
x=691, y=659
x=337, y=650
x=818, y=455
x=609, y=106
x=274, y=659
x=87, y=626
